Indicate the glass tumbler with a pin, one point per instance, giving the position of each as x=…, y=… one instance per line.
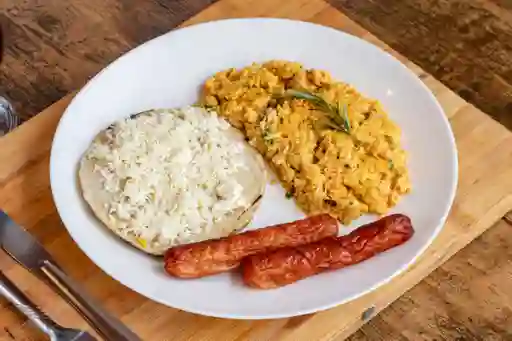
x=8, y=118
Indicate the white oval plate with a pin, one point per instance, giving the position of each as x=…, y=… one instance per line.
x=168, y=71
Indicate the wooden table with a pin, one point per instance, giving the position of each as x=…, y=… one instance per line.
x=483, y=197
x=466, y=44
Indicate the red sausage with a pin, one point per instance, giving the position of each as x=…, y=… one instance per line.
x=287, y=265
x=215, y=256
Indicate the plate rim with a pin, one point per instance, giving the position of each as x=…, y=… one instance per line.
x=410, y=74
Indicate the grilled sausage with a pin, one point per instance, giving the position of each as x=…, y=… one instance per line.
x=215, y=256
x=287, y=265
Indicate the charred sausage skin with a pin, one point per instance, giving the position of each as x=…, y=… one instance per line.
x=290, y=264
x=220, y=255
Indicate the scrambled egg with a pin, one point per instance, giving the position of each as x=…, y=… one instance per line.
x=325, y=170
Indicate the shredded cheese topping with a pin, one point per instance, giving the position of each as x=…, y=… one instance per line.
x=170, y=174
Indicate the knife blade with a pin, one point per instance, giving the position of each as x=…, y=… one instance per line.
x=27, y=251
x=21, y=245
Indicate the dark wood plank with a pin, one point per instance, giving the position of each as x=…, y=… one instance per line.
x=467, y=44
x=52, y=47
x=469, y=298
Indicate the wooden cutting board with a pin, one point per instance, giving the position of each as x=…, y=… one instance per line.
x=484, y=195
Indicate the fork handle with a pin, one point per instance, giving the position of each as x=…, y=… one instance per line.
x=110, y=328
x=14, y=295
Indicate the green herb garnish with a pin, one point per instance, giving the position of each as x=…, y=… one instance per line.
x=391, y=165
x=337, y=115
x=204, y=106
x=289, y=195
x=269, y=137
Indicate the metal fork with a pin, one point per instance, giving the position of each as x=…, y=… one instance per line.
x=42, y=321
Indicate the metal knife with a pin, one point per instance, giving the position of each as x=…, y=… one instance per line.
x=27, y=251
x=42, y=321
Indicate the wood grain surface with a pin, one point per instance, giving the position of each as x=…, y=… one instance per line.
x=468, y=298
x=484, y=195
x=53, y=47
x=467, y=44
